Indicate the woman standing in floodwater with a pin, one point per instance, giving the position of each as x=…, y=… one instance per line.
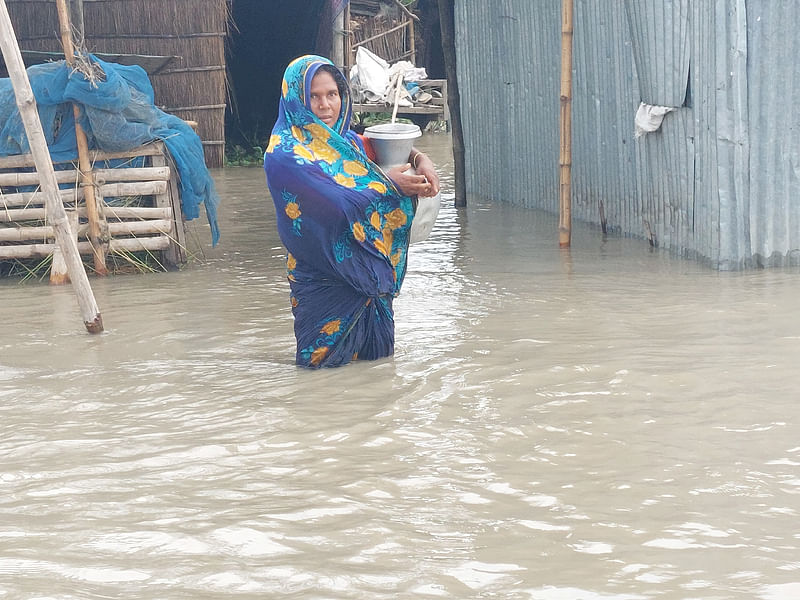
x=344, y=222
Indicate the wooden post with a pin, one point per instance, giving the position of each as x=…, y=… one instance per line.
x=84, y=164
x=26, y=102
x=337, y=52
x=447, y=24
x=412, y=42
x=348, y=42
x=565, y=154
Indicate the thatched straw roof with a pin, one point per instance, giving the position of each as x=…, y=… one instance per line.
x=192, y=86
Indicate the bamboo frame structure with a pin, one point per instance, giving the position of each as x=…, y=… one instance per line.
x=565, y=152
x=26, y=102
x=26, y=230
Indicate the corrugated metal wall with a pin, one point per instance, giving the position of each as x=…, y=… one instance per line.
x=718, y=182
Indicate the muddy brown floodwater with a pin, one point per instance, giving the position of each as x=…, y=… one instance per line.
x=604, y=423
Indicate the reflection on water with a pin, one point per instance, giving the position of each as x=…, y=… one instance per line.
x=600, y=423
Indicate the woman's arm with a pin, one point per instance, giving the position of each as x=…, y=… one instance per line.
x=425, y=183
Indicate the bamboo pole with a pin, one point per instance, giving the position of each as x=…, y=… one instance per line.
x=132, y=244
x=26, y=160
x=26, y=102
x=565, y=154
x=119, y=212
x=84, y=163
x=101, y=176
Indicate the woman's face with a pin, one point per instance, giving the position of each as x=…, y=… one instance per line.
x=325, y=100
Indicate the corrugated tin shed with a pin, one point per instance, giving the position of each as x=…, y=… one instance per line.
x=719, y=181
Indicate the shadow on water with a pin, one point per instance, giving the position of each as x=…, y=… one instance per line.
x=607, y=422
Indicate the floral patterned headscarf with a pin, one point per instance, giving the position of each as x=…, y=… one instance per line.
x=344, y=223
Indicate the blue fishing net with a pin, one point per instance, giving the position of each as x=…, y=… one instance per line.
x=117, y=114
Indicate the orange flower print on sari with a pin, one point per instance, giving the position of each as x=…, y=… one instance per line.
x=375, y=220
x=353, y=167
x=377, y=186
x=298, y=134
x=291, y=265
x=292, y=210
x=318, y=354
x=344, y=180
x=322, y=151
x=358, y=231
x=331, y=327
x=318, y=131
x=274, y=140
x=303, y=152
x=396, y=218
x=384, y=244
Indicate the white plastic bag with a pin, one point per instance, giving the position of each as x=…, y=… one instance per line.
x=424, y=218
x=371, y=76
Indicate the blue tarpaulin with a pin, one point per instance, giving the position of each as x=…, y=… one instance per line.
x=117, y=113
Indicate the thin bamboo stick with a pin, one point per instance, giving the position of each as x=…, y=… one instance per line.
x=381, y=35
x=26, y=102
x=565, y=154
x=84, y=163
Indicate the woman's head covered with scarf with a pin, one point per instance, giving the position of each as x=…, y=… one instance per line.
x=339, y=216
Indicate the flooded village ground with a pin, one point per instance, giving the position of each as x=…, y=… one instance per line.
x=607, y=422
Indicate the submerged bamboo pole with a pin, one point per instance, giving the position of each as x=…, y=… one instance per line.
x=84, y=164
x=26, y=102
x=565, y=154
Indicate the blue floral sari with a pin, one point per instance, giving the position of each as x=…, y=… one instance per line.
x=345, y=226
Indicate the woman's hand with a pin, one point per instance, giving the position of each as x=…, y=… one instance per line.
x=424, y=167
x=426, y=181
x=408, y=184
